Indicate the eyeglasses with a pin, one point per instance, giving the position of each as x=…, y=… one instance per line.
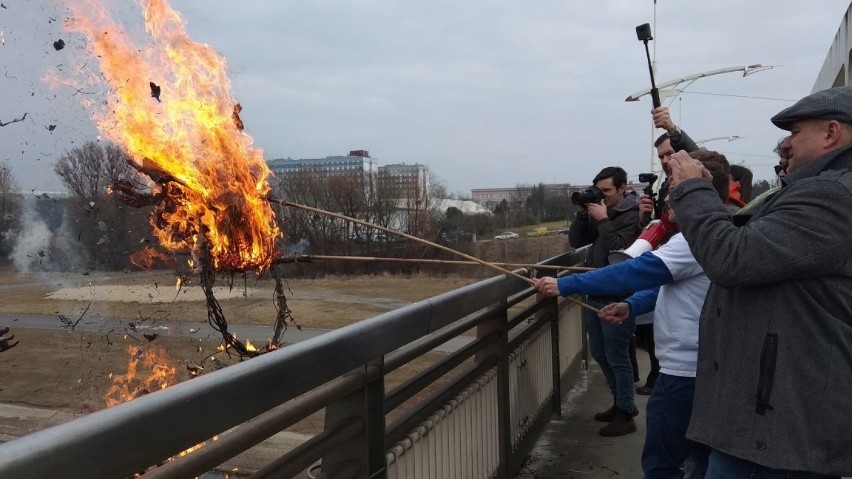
x=779, y=169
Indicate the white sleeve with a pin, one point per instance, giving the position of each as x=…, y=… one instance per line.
x=677, y=257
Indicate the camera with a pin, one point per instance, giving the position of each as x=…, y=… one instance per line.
x=649, y=178
x=592, y=194
x=643, y=32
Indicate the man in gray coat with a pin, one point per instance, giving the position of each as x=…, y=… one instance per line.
x=773, y=394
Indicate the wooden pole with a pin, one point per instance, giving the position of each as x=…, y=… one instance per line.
x=419, y=240
x=313, y=257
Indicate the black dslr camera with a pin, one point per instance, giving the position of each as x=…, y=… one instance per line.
x=592, y=194
x=649, y=178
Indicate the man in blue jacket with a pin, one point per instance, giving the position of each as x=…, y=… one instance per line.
x=773, y=396
x=678, y=286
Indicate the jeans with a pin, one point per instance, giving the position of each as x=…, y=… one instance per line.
x=609, y=345
x=666, y=419
x=723, y=466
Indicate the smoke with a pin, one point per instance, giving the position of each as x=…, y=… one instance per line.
x=38, y=248
x=299, y=248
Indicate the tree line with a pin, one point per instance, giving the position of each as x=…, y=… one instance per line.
x=92, y=229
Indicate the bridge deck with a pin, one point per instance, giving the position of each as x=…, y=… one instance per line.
x=571, y=448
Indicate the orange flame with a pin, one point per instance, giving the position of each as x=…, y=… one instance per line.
x=128, y=386
x=188, y=131
x=145, y=258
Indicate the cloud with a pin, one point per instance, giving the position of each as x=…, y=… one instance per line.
x=486, y=93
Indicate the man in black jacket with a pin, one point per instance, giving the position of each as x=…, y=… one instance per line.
x=610, y=225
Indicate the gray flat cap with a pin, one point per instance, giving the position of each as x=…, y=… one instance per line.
x=831, y=104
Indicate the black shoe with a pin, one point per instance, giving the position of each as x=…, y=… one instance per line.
x=645, y=390
x=621, y=425
x=4, y=345
x=609, y=414
x=4, y=330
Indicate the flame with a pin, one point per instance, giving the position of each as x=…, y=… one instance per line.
x=128, y=386
x=169, y=106
x=145, y=258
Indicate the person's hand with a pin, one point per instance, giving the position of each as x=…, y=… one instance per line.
x=662, y=119
x=547, y=287
x=615, y=313
x=597, y=210
x=646, y=209
x=685, y=167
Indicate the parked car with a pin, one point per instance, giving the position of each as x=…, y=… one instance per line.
x=507, y=236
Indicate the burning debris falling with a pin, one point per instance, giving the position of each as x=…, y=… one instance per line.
x=205, y=181
x=155, y=90
x=24, y=117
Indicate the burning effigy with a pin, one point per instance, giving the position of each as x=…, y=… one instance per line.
x=168, y=104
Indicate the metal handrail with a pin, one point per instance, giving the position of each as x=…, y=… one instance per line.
x=119, y=441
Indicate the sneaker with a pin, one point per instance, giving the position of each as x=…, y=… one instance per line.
x=621, y=425
x=4, y=330
x=609, y=414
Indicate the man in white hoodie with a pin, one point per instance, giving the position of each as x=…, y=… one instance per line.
x=670, y=282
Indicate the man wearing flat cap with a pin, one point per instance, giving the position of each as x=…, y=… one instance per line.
x=773, y=393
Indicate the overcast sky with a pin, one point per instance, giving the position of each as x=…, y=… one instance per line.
x=486, y=93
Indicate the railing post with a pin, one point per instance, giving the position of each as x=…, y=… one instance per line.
x=556, y=399
x=366, y=452
x=501, y=351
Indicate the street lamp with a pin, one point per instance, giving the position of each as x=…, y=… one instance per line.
x=715, y=138
x=671, y=89
x=671, y=93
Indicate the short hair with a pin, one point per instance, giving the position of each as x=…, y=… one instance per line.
x=718, y=166
x=744, y=176
x=618, y=175
x=659, y=141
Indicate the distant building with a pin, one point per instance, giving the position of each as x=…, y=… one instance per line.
x=358, y=162
x=407, y=182
x=835, y=69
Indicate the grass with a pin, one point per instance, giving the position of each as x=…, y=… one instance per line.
x=71, y=370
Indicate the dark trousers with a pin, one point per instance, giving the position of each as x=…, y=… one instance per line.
x=667, y=417
x=645, y=334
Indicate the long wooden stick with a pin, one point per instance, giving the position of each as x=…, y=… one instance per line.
x=312, y=257
x=419, y=240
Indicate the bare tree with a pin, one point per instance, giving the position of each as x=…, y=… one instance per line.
x=107, y=229
x=10, y=210
x=89, y=169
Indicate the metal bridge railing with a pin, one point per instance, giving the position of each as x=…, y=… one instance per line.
x=476, y=412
